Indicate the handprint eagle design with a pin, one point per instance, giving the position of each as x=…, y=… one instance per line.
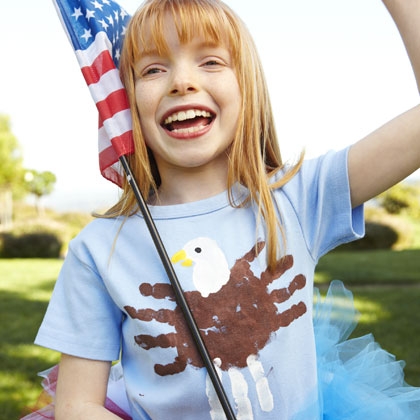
x=234, y=310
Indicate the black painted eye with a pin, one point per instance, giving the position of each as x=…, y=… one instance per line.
x=197, y=250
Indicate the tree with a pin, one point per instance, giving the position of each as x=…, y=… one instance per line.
x=11, y=171
x=39, y=184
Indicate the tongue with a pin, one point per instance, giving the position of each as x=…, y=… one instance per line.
x=196, y=122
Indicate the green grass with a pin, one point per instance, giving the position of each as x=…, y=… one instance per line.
x=25, y=289
x=386, y=286
x=391, y=314
x=370, y=267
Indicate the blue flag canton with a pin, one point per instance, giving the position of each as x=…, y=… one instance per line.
x=88, y=18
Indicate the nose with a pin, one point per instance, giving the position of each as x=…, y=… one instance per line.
x=183, y=82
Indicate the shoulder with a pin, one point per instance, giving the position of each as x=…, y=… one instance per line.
x=319, y=198
x=97, y=228
x=329, y=170
x=98, y=236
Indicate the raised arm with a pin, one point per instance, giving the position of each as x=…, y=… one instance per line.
x=406, y=14
x=391, y=153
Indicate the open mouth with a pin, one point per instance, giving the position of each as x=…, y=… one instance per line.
x=188, y=121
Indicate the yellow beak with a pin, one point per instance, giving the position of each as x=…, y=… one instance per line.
x=182, y=256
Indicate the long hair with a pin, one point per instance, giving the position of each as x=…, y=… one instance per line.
x=254, y=155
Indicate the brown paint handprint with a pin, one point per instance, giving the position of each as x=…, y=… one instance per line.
x=236, y=313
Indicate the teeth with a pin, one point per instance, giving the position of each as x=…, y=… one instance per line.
x=187, y=115
x=188, y=130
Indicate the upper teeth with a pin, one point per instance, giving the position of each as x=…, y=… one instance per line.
x=187, y=115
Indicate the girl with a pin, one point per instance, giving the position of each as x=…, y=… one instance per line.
x=245, y=232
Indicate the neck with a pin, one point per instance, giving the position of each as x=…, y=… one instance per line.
x=196, y=184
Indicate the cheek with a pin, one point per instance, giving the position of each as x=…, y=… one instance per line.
x=143, y=113
x=145, y=100
x=141, y=99
x=146, y=108
x=231, y=92
x=233, y=99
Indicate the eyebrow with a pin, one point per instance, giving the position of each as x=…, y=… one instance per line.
x=155, y=52
x=151, y=52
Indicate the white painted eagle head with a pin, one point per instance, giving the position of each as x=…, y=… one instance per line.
x=211, y=271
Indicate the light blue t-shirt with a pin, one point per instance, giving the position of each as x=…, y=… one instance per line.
x=113, y=296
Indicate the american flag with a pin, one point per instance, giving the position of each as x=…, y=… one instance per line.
x=96, y=30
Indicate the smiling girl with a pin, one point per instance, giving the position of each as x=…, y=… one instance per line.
x=245, y=230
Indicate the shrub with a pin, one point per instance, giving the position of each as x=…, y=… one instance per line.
x=31, y=245
x=377, y=236
x=64, y=225
x=385, y=231
x=401, y=198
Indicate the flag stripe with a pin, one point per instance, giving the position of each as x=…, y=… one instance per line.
x=123, y=144
x=87, y=56
x=113, y=104
x=103, y=139
x=101, y=65
x=108, y=83
x=113, y=174
x=107, y=157
x=120, y=123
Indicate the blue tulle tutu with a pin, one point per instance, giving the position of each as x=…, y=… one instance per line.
x=358, y=380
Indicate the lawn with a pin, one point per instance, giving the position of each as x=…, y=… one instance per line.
x=386, y=286
x=379, y=267
x=25, y=288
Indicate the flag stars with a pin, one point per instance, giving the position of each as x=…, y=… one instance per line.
x=104, y=24
x=90, y=14
x=77, y=13
x=123, y=14
x=110, y=20
x=97, y=5
x=100, y=15
x=86, y=35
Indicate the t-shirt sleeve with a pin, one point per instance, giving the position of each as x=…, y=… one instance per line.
x=320, y=196
x=82, y=319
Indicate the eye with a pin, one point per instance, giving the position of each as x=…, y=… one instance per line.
x=149, y=68
x=197, y=250
x=152, y=70
x=211, y=63
x=213, y=56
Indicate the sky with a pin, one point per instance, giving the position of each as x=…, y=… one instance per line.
x=336, y=70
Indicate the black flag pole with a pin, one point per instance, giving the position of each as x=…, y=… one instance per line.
x=189, y=318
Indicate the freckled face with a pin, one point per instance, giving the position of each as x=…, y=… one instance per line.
x=189, y=102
